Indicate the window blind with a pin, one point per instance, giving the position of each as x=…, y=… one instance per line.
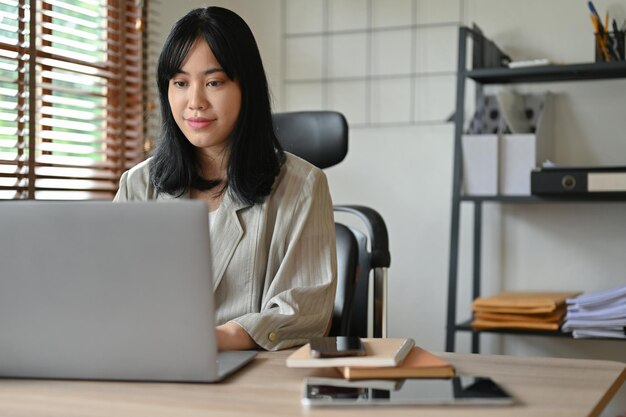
x=72, y=100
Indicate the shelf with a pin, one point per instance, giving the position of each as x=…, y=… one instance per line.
x=484, y=52
x=467, y=327
x=531, y=199
x=549, y=73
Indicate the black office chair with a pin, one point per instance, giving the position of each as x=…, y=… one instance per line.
x=321, y=137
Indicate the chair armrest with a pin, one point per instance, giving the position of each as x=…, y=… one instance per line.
x=377, y=230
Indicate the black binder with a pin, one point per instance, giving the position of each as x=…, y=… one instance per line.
x=578, y=180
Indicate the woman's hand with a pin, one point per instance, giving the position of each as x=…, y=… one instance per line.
x=231, y=336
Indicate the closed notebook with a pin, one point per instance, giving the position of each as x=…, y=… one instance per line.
x=418, y=364
x=378, y=352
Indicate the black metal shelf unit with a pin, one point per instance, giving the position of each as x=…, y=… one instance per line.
x=502, y=75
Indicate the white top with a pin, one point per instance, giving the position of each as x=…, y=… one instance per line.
x=212, y=215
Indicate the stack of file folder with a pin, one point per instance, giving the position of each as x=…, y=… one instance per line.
x=600, y=314
x=521, y=310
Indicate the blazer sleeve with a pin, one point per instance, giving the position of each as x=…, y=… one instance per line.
x=135, y=184
x=299, y=300
x=122, y=191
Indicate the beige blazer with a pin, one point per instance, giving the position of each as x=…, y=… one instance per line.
x=274, y=263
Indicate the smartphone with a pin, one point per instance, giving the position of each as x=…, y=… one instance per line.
x=330, y=347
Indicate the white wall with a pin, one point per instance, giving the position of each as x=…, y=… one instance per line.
x=405, y=173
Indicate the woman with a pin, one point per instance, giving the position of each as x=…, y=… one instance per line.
x=272, y=229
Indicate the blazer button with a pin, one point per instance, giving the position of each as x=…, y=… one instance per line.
x=272, y=336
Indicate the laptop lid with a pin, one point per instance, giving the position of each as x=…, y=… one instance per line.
x=96, y=290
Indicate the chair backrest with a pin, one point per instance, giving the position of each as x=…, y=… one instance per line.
x=321, y=137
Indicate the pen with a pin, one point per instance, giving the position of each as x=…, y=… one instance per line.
x=600, y=36
x=593, y=10
x=617, y=42
x=606, y=30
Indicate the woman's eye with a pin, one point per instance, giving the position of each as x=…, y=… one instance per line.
x=214, y=83
x=179, y=83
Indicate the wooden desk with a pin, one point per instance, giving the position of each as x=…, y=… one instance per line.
x=543, y=387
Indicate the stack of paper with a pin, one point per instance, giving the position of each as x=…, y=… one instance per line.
x=521, y=310
x=600, y=314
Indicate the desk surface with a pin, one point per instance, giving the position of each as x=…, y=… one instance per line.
x=542, y=386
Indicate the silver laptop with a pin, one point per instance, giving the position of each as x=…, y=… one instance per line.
x=97, y=290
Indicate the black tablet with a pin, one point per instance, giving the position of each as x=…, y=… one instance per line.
x=459, y=390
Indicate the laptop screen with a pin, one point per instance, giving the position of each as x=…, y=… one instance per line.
x=99, y=290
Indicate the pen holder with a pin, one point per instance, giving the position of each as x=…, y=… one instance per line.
x=610, y=46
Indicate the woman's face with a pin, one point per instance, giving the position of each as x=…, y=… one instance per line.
x=205, y=103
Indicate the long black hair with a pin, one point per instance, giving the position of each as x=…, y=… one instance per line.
x=255, y=156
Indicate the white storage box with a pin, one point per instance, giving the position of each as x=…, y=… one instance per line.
x=521, y=153
x=480, y=164
x=500, y=164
